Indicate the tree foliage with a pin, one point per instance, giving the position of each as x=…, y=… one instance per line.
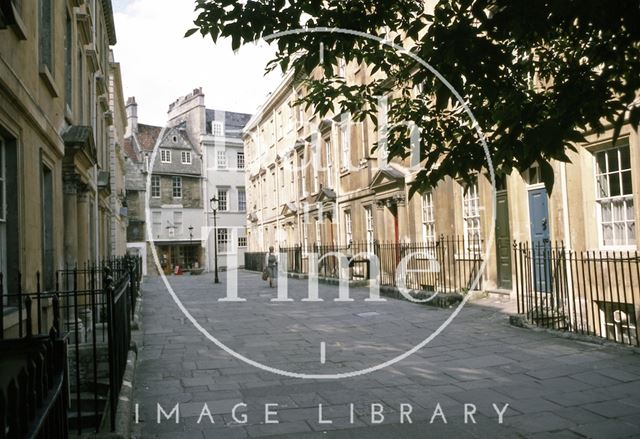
x=537, y=75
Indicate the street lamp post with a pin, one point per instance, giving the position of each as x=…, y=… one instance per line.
x=190, y=246
x=214, y=207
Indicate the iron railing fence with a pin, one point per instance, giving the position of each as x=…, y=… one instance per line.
x=254, y=261
x=119, y=315
x=84, y=305
x=33, y=383
x=447, y=264
x=587, y=292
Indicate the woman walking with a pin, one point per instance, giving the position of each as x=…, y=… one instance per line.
x=272, y=267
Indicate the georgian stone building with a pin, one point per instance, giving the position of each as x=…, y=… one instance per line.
x=316, y=181
x=60, y=113
x=166, y=161
x=218, y=136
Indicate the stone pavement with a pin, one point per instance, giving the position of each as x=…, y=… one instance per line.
x=555, y=387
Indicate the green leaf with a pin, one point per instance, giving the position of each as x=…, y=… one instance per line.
x=191, y=32
x=547, y=175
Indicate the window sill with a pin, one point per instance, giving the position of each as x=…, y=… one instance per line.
x=46, y=76
x=617, y=248
x=18, y=26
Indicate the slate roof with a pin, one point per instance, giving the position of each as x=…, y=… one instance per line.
x=181, y=143
x=233, y=122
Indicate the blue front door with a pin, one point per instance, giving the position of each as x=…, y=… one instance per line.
x=541, y=245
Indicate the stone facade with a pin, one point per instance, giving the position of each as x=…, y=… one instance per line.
x=164, y=161
x=218, y=136
x=317, y=181
x=58, y=137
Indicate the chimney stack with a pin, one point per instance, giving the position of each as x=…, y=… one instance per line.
x=132, y=117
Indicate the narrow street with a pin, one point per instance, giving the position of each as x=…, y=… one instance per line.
x=555, y=387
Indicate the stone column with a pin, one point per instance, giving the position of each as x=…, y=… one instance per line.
x=70, y=181
x=83, y=218
x=403, y=220
x=379, y=226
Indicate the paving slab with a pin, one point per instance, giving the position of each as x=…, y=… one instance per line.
x=554, y=387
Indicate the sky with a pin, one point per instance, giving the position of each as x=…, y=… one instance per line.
x=159, y=65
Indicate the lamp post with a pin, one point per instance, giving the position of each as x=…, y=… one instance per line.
x=190, y=246
x=214, y=207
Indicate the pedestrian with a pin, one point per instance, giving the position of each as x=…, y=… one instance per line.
x=272, y=267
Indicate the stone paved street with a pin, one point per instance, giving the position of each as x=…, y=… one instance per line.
x=555, y=387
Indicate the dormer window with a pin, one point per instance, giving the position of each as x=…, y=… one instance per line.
x=186, y=157
x=165, y=155
x=217, y=128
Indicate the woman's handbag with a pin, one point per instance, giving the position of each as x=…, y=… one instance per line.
x=265, y=274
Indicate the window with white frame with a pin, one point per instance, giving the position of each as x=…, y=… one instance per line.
x=615, y=197
x=221, y=159
x=329, y=161
x=274, y=188
x=348, y=227
x=177, y=222
x=165, y=155
x=240, y=159
x=155, y=186
x=242, y=200
x=242, y=241
x=217, y=128
x=428, y=220
x=280, y=121
x=471, y=216
x=318, y=233
x=223, y=240
x=305, y=236
x=177, y=187
x=368, y=225
x=314, y=165
x=223, y=204
x=291, y=169
x=345, y=142
x=302, y=170
x=186, y=157
x=156, y=222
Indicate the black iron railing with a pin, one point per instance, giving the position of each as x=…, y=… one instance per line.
x=448, y=264
x=119, y=315
x=91, y=317
x=588, y=292
x=33, y=382
x=254, y=261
